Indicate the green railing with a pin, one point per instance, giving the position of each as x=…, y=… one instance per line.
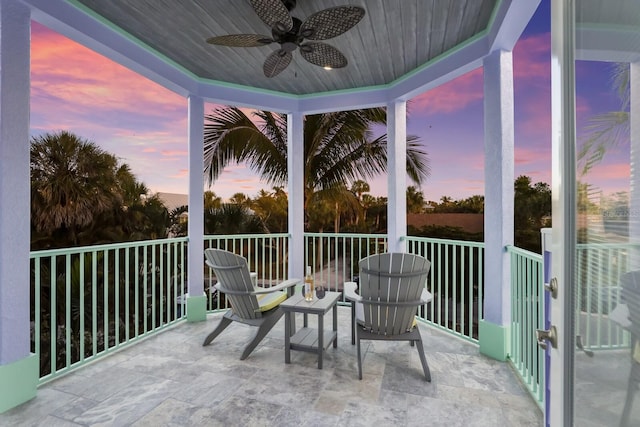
x=527, y=315
x=88, y=301
x=334, y=257
x=266, y=254
x=598, y=270
x=456, y=281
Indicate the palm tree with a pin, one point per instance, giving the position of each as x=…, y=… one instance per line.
x=72, y=182
x=240, y=199
x=360, y=187
x=415, y=200
x=211, y=200
x=231, y=218
x=608, y=129
x=272, y=209
x=339, y=148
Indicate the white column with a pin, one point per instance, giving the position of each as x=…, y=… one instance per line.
x=397, y=178
x=14, y=182
x=295, y=167
x=634, y=123
x=499, y=193
x=18, y=368
x=196, y=302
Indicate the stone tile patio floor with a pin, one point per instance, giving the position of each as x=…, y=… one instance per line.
x=171, y=380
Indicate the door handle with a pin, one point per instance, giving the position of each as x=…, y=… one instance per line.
x=552, y=287
x=546, y=337
x=581, y=346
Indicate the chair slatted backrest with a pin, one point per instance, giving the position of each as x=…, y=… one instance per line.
x=630, y=283
x=232, y=273
x=386, y=280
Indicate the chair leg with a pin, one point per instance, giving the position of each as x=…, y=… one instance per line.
x=224, y=322
x=628, y=403
x=263, y=330
x=359, y=358
x=353, y=322
x=423, y=359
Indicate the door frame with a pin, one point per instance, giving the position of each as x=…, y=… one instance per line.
x=563, y=190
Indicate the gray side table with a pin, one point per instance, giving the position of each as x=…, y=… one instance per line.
x=308, y=339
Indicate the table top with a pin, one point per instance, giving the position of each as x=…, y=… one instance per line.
x=298, y=304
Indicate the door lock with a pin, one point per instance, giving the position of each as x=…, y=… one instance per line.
x=544, y=337
x=552, y=287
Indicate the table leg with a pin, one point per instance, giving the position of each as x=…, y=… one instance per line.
x=353, y=322
x=335, y=325
x=320, y=339
x=287, y=337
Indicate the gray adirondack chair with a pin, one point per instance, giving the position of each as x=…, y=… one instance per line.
x=250, y=305
x=391, y=289
x=630, y=283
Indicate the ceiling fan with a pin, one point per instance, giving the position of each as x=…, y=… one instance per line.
x=292, y=33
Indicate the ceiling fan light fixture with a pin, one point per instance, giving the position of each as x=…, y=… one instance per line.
x=328, y=67
x=281, y=27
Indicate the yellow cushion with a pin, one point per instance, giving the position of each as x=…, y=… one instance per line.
x=272, y=300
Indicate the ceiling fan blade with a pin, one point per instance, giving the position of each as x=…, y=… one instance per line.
x=276, y=62
x=332, y=22
x=240, y=40
x=272, y=13
x=323, y=55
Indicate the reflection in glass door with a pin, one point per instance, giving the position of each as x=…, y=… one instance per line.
x=606, y=214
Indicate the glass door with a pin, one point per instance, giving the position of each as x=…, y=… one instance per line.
x=596, y=200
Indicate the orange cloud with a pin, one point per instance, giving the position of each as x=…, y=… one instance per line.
x=610, y=172
x=531, y=58
x=530, y=155
x=452, y=96
x=174, y=153
x=181, y=173
x=66, y=72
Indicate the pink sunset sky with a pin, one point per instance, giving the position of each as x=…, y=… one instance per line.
x=145, y=125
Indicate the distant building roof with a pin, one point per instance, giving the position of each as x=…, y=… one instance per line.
x=173, y=200
x=469, y=222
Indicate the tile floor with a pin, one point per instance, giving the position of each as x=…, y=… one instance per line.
x=171, y=380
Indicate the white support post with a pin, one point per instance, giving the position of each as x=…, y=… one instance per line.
x=295, y=167
x=397, y=178
x=498, y=211
x=634, y=123
x=196, y=300
x=18, y=368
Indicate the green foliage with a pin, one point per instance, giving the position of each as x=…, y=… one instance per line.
x=415, y=200
x=81, y=195
x=445, y=232
x=273, y=209
x=339, y=148
x=473, y=204
x=232, y=218
x=532, y=211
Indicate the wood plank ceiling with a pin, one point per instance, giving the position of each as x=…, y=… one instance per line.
x=394, y=38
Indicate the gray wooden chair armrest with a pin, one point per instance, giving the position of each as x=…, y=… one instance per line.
x=350, y=291
x=426, y=296
x=284, y=285
x=258, y=291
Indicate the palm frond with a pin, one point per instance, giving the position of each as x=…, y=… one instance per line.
x=607, y=130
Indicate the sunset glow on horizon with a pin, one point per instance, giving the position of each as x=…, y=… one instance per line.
x=145, y=125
